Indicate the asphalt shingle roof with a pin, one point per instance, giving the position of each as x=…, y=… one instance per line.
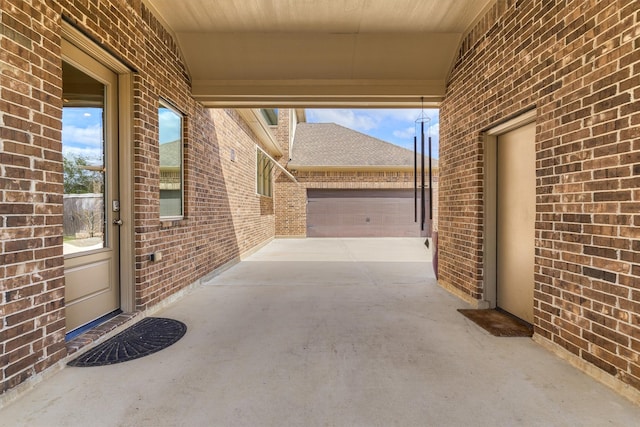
x=170, y=155
x=329, y=144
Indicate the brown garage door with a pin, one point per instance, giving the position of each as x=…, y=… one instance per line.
x=361, y=213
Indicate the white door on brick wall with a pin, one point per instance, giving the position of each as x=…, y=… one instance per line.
x=90, y=155
x=516, y=210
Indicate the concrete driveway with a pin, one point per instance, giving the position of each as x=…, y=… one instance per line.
x=327, y=332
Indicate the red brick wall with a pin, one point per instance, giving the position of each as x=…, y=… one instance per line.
x=290, y=197
x=291, y=208
x=253, y=215
x=31, y=263
x=223, y=215
x=578, y=64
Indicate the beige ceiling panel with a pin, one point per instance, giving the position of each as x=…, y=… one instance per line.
x=404, y=56
x=345, y=16
x=247, y=56
x=261, y=15
x=274, y=56
x=318, y=52
x=430, y=16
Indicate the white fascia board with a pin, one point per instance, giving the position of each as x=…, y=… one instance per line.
x=253, y=117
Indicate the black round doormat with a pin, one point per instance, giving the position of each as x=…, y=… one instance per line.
x=146, y=337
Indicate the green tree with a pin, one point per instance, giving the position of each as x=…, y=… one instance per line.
x=79, y=178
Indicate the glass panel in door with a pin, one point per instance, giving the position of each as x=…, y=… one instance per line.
x=83, y=156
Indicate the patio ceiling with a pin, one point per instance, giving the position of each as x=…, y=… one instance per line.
x=318, y=52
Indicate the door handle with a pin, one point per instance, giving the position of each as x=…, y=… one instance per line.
x=117, y=222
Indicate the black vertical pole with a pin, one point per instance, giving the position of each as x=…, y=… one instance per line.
x=415, y=179
x=430, y=184
x=422, y=176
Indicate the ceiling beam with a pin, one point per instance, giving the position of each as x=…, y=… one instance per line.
x=319, y=93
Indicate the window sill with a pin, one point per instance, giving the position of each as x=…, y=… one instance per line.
x=170, y=222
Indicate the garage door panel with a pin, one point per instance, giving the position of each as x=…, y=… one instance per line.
x=361, y=213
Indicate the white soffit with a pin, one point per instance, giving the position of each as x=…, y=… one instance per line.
x=316, y=52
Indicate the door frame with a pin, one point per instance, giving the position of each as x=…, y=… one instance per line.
x=125, y=157
x=490, y=136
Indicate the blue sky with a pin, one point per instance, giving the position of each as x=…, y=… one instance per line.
x=82, y=133
x=396, y=126
x=170, y=125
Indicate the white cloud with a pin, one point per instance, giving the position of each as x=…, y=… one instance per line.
x=404, y=133
x=90, y=136
x=367, y=119
x=92, y=155
x=397, y=126
x=411, y=131
x=352, y=119
x=170, y=124
x=83, y=142
x=435, y=129
x=403, y=114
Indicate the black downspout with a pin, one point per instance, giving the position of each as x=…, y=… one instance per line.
x=422, y=208
x=430, y=186
x=415, y=179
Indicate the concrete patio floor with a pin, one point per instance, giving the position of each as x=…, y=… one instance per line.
x=327, y=332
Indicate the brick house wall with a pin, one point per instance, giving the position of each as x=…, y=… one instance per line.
x=291, y=198
x=578, y=64
x=223, y=215
x=253, y=215
x=291, y=208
